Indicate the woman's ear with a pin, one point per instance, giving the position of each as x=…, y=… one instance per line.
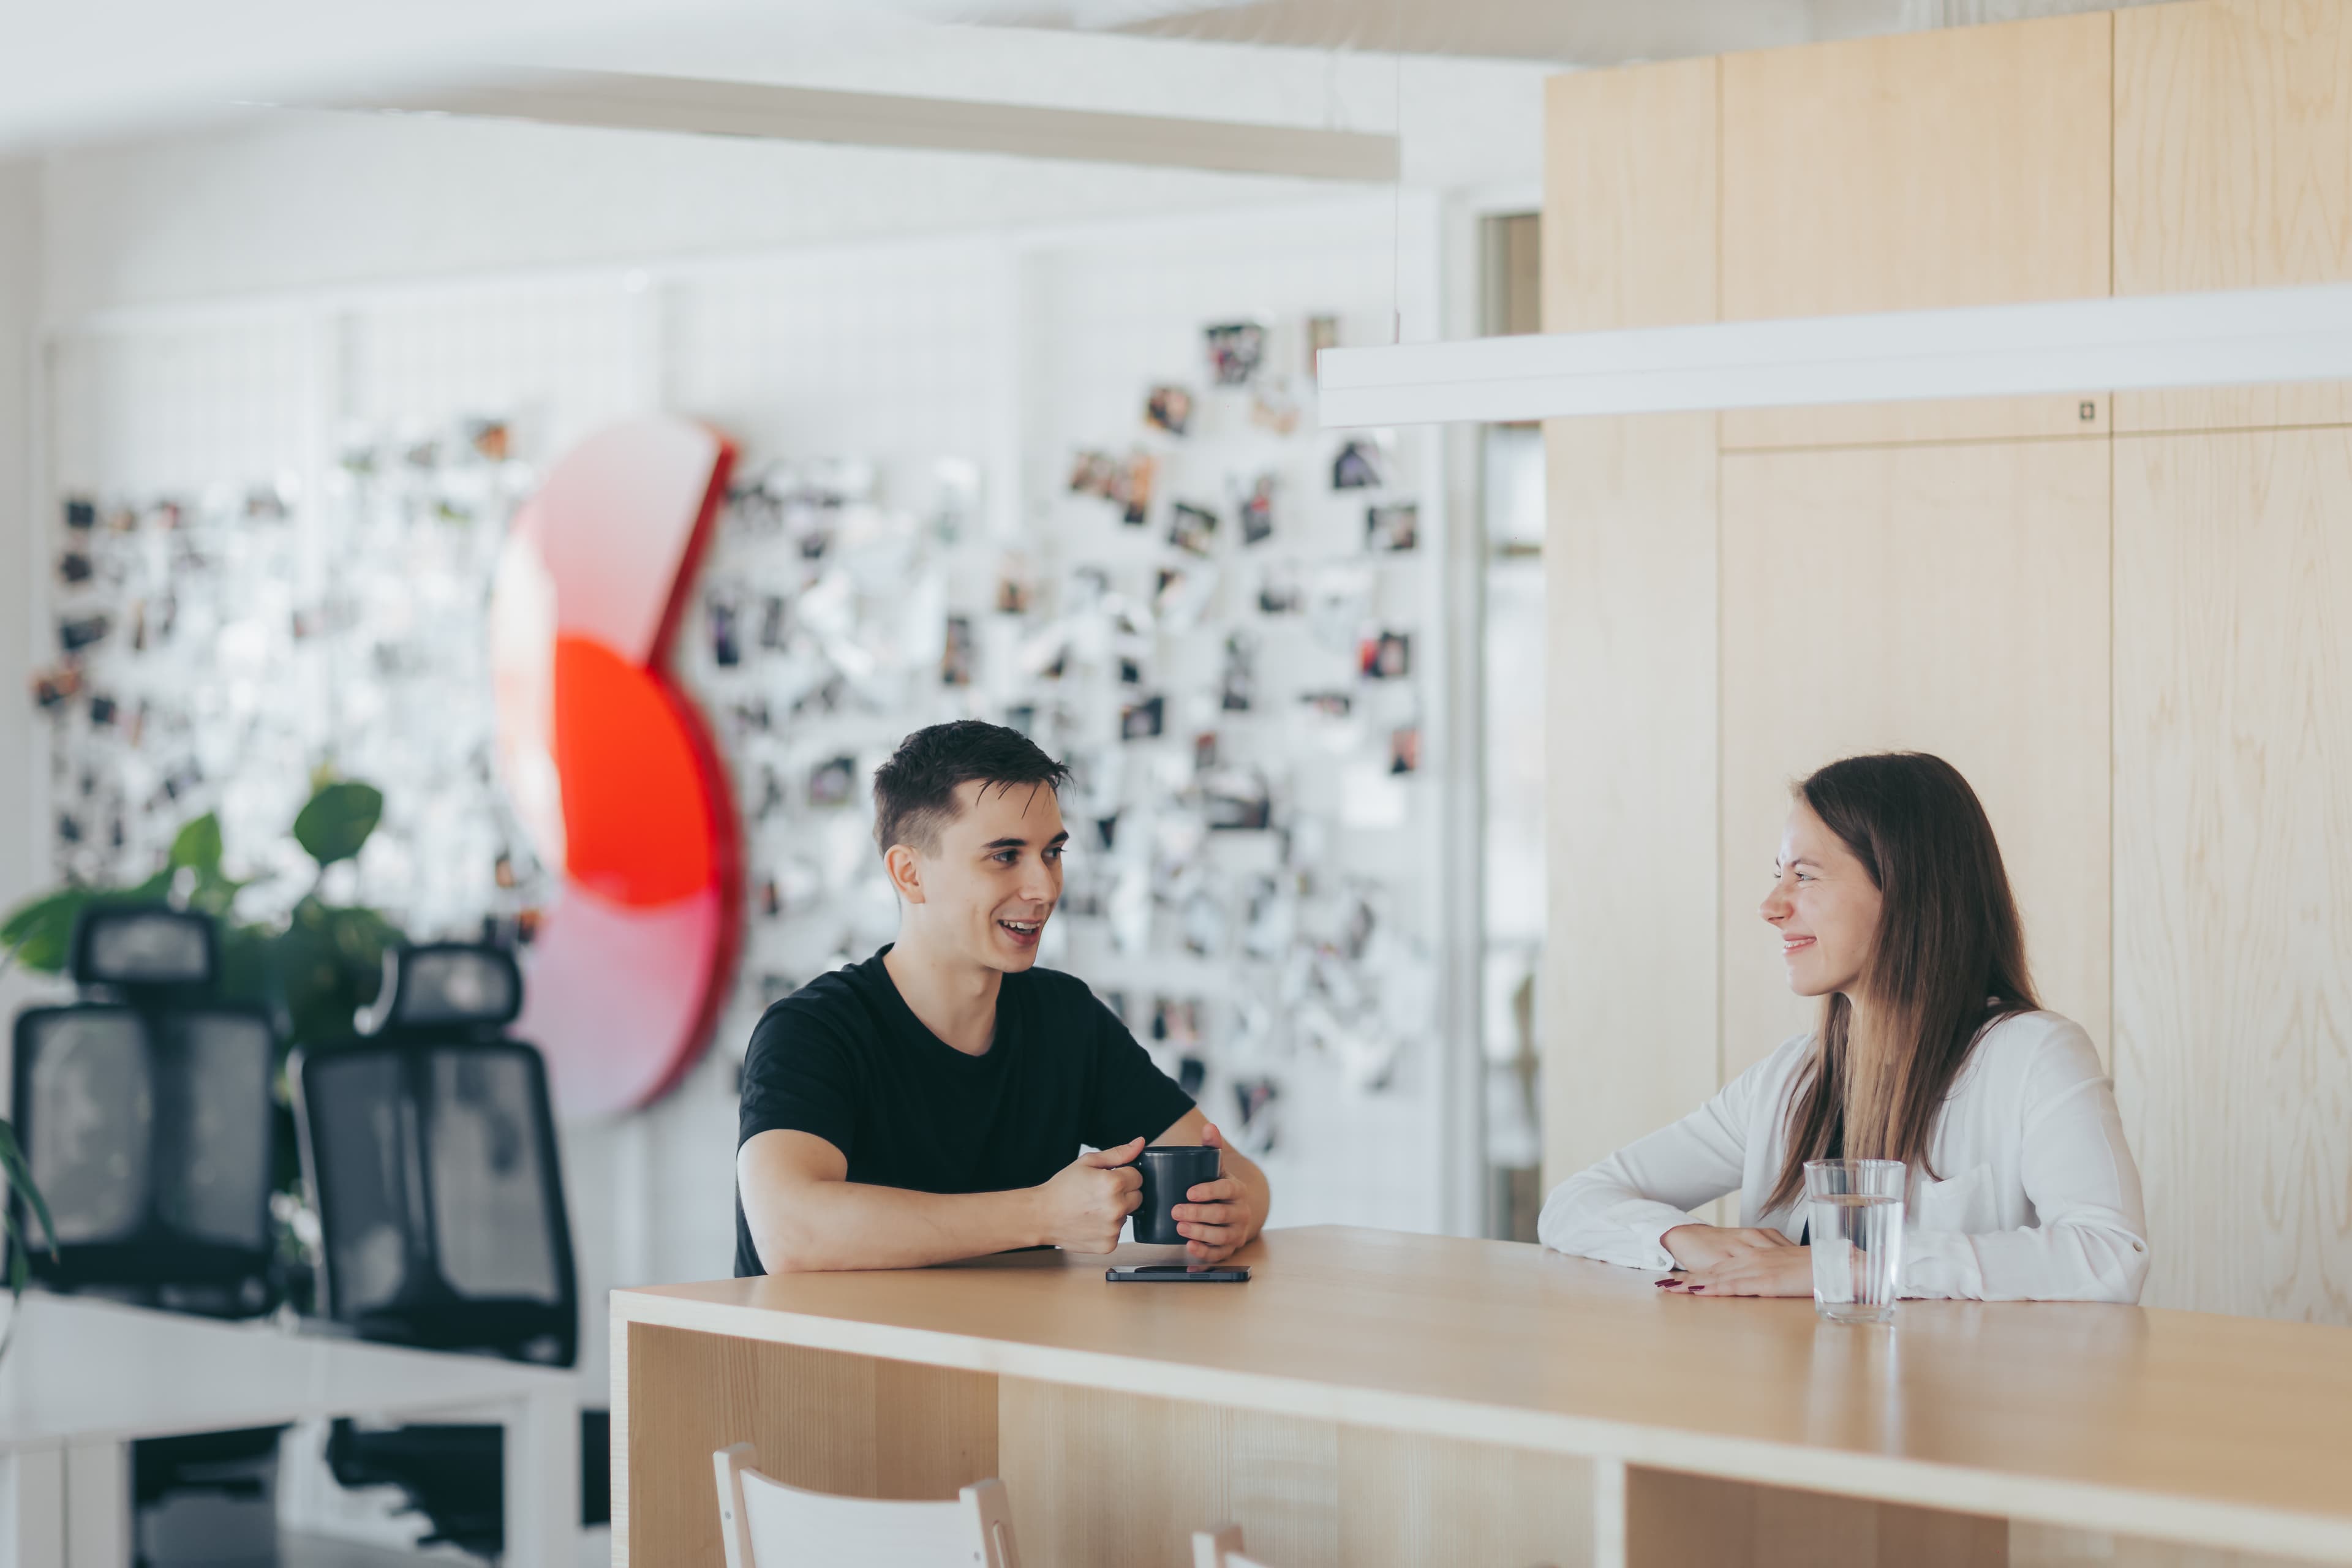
x=905, y=874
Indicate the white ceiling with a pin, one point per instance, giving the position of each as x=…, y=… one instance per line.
x=83, y=70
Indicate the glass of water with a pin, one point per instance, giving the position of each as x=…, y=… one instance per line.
x=1853, y=1209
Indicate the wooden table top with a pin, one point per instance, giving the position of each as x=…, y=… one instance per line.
x=2177, y=1425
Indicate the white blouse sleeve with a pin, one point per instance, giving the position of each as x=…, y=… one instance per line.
x=2091, y=1244
x=1617, y=1210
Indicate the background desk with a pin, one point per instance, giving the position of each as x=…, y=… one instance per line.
x=1372, y=1398
x=86, y=1379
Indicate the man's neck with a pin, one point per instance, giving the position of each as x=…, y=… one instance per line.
x=954, y=999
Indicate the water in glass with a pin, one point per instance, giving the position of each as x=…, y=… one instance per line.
x=1854, y=1210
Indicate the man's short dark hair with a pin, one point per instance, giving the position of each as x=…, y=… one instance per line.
x=915, y=791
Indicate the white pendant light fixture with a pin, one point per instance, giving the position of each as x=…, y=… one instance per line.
x=2213, y=338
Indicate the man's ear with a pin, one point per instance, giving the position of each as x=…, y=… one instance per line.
x=905, y=873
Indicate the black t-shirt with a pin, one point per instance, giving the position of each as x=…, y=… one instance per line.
x=845, y=1058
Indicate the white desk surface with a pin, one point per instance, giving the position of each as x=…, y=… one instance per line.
x=82, y=1370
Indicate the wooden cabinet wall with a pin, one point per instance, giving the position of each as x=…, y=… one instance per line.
x=2128, y=620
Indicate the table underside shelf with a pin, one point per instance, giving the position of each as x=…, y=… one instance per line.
x=1105, y=1480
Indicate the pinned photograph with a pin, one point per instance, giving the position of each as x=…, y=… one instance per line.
x=1143, y=721
x=1233, y=800
x=956, y=659
x=1279, y=591
x=1012, y=589
x=1255, y=509
x=1388, y=656
x=1330, y=704
x=726, y=647
x=1132, y=490
x=83, y=632
x=1192, y=527
x=1275, y=407
x=1404, y=750
x=1236, y=350
x=1322, y=332
x=1170, y=408
x=1095, y=474
x=1361, y=464
x=1175, y=1023
x=81, y=513
x=775, y=629
x=832, y=781
x=1238, y=685
x=1394, y=527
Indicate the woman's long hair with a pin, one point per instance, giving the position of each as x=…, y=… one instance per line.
x=1948, y=962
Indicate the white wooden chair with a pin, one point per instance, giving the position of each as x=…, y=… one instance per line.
x=1221, y=1548
x=767, y=1524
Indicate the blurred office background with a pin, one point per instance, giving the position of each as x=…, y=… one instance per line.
x=292, y=334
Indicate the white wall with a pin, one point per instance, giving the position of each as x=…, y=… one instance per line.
x=20, y=565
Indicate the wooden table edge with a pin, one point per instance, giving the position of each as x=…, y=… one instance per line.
x=1878, y=1477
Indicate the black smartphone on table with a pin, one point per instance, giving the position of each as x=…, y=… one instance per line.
x=1179, y=1274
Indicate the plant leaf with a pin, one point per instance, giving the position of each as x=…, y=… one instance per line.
x=40, y=930
x=197, y=845
x=20, y=1179
x=338, y=820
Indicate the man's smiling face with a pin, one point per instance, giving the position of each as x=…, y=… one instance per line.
x=991, y=881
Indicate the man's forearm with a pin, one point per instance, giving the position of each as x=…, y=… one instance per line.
x=848, y=1225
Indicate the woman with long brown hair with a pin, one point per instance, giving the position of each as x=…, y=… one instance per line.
x=1892, y=906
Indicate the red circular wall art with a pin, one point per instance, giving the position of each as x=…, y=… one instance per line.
x=611, y=767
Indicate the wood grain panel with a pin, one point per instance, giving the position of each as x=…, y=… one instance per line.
x=2234, y=864
x=1672, y=1519
x=1967, y=166
x=2232, y=170
x=1629, y=693
x=1100, y=1479
x=1629, y=210
x=2050, y=1546
x=1948, y=599
x=1892, y=424
x=1407, y=1500
x=820, y=1419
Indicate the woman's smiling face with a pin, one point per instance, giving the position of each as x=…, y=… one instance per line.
x=1824, y=906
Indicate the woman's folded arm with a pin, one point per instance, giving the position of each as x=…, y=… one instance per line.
x=1616, y=1211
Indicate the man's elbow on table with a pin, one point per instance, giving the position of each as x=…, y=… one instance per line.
x=780, y=1176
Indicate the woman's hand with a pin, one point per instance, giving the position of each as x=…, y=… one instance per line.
x=1783, y=1270
x=1706, y=1245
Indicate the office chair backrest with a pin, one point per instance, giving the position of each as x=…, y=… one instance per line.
x=147, y=1122
x=767, y=1524
x=430, y=1152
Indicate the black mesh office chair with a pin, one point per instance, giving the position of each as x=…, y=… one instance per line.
x=145, y=1111
x=430, y=1149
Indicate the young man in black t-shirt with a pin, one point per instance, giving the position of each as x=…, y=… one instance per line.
x=930, y=1103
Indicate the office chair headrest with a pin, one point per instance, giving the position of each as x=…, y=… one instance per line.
x=444, y=984
x=143, y=944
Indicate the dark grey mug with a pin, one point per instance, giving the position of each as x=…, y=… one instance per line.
x=1169, y=1172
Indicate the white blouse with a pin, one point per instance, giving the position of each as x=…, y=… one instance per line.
x=2034, y=1195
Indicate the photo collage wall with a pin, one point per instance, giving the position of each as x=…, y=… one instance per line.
x=1210, y=611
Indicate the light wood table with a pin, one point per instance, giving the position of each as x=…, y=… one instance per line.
x=1372, y=1398
x=86, y=1379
